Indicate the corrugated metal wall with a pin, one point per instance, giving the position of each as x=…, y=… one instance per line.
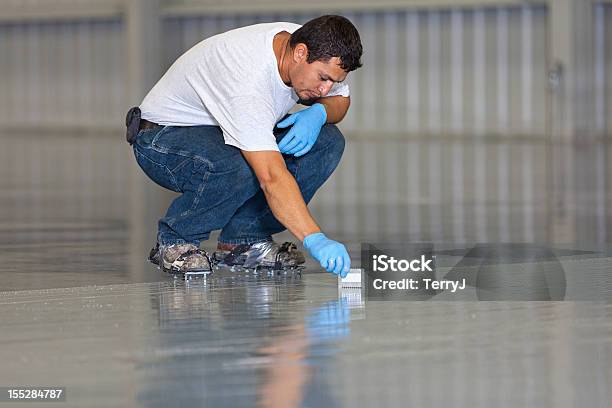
x=61, y=74
x=453, y=72
x=471, y=71
x=602, y=77
x=603, y=68
x=430, y=72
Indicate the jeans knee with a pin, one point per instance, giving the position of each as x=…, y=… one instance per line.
x=332, y=147
x=244, y=177
x=333, y=140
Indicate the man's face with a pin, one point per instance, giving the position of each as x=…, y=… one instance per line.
x=315, y=80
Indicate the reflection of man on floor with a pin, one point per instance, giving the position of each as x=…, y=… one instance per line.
x=297, y=372
x=214, y=128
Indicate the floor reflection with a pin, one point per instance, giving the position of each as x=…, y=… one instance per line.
x=82, y=308
x=296, y=341
x=244, y=339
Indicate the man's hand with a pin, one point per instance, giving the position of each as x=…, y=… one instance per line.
x=332, y=255
x=303, y=134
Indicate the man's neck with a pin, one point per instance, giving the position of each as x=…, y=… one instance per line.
x=282, y=51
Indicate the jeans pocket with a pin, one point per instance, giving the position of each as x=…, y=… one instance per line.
x=170, y=139
x=156, y=136
x=157, y=172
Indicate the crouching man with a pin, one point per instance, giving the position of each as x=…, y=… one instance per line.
x=215, y=129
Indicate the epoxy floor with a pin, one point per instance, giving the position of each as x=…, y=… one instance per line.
x=82, y=309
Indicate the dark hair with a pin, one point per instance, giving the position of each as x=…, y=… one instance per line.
x=330, y=36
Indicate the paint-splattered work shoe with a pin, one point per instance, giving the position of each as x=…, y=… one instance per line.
x=154, y=255
x=267, y=254
x=180, y=258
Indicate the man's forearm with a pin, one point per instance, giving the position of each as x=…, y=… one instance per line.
x=287, y=204
x=336, y=107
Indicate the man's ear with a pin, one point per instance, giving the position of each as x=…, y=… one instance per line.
x=300, y=52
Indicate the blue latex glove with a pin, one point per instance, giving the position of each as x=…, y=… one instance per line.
x=332, y=255
x=303, y=134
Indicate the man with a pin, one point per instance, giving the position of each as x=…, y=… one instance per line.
x=208, y=131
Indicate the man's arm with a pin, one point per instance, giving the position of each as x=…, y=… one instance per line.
x=282, y=192
x=287, y=204
x=335, y=106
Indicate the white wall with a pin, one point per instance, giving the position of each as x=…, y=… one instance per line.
x=469, y=70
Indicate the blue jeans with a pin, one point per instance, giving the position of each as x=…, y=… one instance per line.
x=218, y=188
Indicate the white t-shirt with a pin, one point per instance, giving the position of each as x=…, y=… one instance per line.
x=229, y=80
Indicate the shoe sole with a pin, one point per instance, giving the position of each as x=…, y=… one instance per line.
x=218, y=258
x=262, y=265
x=168, y=268
x=174, y=270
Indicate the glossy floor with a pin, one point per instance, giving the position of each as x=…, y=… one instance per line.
x=82, y=309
